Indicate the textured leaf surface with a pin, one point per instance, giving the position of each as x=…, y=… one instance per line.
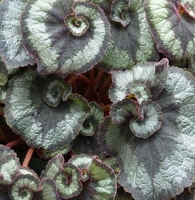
x=122, y=110
x=101, y=184
x=11, y=48
x=87, y=145
x=39, y=124
x=23, y=187
x=64, y=36
x=46, y=154
x=173, y=26
x=130, y=44
x=53, y=167
x=48, y=191
x=9, y=165
x=148, y=121
x=92, y=122
x=152, y=75
x=161, y=166
x=68, y=181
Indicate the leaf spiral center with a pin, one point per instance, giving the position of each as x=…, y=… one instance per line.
x=78, y=25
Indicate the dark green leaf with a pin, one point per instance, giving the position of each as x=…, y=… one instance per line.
x=23, y=187
x=162, y=165
x=101, y=184
x=40, y=125
x=173, y=26
x=65, y=36
x=68, y=181
x=133, y=43
x=91, y=124
x=48, y=191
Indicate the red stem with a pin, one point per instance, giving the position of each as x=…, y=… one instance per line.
x=28, y=157
x=91, y=86
x=15, y=143
x=104, y=89
x=98, y=78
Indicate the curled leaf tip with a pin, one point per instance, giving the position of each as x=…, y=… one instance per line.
x=120, y=12
x=77, y=25
x=148, y=121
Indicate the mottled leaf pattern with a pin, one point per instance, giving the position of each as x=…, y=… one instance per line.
x=39, y=124
x=11, y=47
x=133, y=43
x=65, y=36
x=173, y=26
x=162, y=165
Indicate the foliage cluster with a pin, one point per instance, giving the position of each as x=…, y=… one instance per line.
x=104, y=91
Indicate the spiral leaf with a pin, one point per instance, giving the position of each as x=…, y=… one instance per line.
x=55, y=90
x=41, y=125
x=149, y=120
x=68, y=181
x=65, y=36
x=23, y=187
x=91, y=123
x=131, y=39
x=9, y=165
x=100, y=183
x=119, y=12
x=77, y=25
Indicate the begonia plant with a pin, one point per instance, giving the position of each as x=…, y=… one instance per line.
x=97, y=99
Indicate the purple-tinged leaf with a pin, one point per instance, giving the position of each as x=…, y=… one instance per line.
x=53, y=167
x=148, y=121
x=4, y=193
x=162, y=165
x=30, y=115
x=55, y=89
x=120, y=12
x=91, y=123
x=122, y=110
x=122, y=195
x=68, y=181
x=87, y=145
x=131, y=39
x=12, y=50
x=23, y=187
x=173, y=26
x=48, y=191
x=65, y=36
x=152, y=75
x=101, y=183
x=9, y=165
